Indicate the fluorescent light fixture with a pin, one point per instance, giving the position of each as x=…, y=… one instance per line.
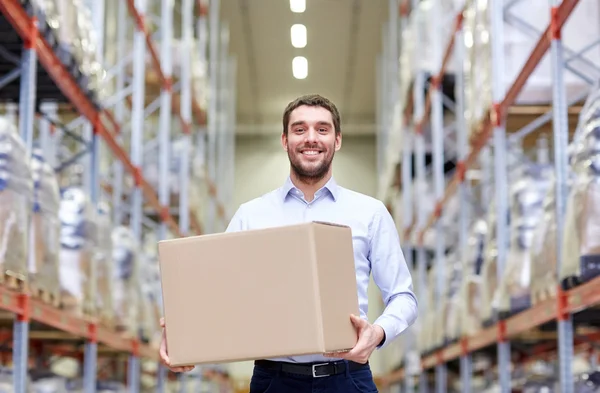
x=300, y=67
x=298, y=34
x=298, y=6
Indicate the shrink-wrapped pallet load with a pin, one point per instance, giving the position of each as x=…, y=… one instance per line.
x=429, y=317
x=489, y=276
x=104, y=266
x=543, y=251
x=581, y=235
x=456, y=275
x=44, y=258
x=16, y=193
x=148, y=265
x=77, y=239
x=526, y=209
x=476, y=64
x=125, y=274
x=470, y=294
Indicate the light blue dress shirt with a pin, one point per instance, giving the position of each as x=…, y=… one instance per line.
x=375, y=239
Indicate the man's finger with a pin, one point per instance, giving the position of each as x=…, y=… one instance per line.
x=358, y=322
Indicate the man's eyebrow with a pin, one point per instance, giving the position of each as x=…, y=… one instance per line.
x=322, y=122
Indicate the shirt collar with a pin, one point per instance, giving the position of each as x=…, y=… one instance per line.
x=330, y=186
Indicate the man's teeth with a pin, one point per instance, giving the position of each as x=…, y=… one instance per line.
x=310, y=152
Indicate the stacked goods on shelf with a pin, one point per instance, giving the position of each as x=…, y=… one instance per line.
x=16, y=190
x=78, y=238
x=470, y=293
x=477, y=64
x=427, y=341
x=104, y=267
x=526, y=204
x=125, y=275
x=72, y=36
x=456, y=273
x=44, y=279
x=581, y=240
x=519, y=39
x=489, y=280
x=543, y=250
x=149, y=312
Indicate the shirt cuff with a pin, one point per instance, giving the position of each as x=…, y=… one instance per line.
x=391, y=326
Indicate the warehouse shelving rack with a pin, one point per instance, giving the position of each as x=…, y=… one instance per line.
x=43, y=83
x=422, y=108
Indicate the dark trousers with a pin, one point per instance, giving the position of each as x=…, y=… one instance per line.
x=269, y=380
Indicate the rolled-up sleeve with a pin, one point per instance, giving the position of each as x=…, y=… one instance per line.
x=392, y=277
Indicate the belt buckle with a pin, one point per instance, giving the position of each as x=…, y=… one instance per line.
x=314, y=370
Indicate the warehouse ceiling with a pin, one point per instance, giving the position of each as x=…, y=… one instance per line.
x=343, y=41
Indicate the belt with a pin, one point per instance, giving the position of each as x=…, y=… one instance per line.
x=316, y=370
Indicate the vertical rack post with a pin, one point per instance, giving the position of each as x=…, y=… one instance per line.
x=420, y=170
x=223, y=127
x=27, y=101
x=202, y=36
x=137, y=146
x=437, y=131
x=495, y=14
x=232, y=132
x=407, y=211
x=117, y=183
x=561, y=138
x=164, y=136
x=464, y=211
x=27, y=96
x=187, y=12
x=164, y=132
x=213, y=108
x=21, y=345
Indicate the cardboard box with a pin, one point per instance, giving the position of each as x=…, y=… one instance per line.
x=257, y=294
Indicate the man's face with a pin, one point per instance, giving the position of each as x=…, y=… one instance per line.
x=311, y=142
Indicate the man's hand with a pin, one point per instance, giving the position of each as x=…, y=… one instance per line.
x=164, y=357
x=369, y=337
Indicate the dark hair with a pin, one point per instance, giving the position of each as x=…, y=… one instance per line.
x=312, y=100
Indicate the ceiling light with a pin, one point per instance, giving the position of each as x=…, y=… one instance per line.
x=298, y=34
x=298, y=6
x=300, y=67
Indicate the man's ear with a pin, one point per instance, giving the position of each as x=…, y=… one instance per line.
x=338, y=141
x=284, y=141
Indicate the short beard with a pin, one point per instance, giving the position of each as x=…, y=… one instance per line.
x=312, y=177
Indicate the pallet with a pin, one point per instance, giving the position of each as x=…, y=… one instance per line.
x=542, y=293
x=49, y=297
x=16, y=282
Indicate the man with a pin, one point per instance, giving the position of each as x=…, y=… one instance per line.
x=311, y=136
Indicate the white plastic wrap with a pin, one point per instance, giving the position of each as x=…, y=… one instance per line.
x=77, y=238
x=71, y=21
x=44, y=261
x=16, y=188
x=104, y=266
x=125, y=285
x=526, y=210
x=477, y=63
x=424, y=20
x=489, y=277
x=430, y=316
x=543, y=252
x=451, y=322
x=581, y=240
x=50, y=385
x=471, y=288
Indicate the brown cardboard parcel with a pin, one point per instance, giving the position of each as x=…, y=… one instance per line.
x=260, y=293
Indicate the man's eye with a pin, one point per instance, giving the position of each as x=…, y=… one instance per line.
x=323, y=130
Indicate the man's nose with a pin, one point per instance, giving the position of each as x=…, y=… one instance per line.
x=311, y=135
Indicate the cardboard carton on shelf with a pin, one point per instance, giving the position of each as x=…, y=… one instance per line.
x=260, y=293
